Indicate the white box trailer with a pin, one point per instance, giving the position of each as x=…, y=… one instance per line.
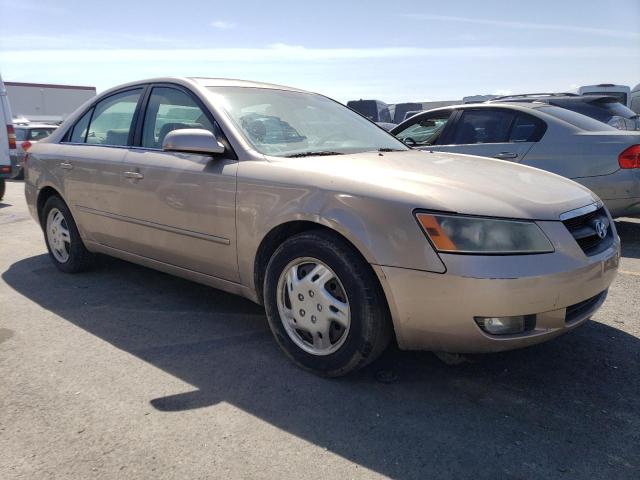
x=43, y=102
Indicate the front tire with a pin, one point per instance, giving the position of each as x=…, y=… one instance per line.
x=325, y=306
x=66, y=249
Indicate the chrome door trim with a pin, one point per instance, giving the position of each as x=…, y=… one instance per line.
x=157, y=226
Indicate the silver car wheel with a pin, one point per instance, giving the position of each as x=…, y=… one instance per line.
x=58, y=235
x=313, y=306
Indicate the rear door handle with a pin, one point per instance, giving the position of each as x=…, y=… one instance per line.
x=66, y=166
x=134, y=175
x=506, y=155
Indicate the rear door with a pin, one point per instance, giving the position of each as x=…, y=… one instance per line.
x=180, y=207
x=89, y=162
x=503, y=134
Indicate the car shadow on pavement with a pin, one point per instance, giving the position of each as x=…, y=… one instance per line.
x=568, y=407
x=629, y=233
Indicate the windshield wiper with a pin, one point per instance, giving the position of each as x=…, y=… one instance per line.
x=319, y=153
x=390, y=150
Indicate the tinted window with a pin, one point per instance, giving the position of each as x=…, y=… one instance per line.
x=170, y=109
x=21, y=134
x=615, y=108
x=426, y=131
x=635, y=104
x=577, y=120
x=112, y=119
x=527, y=128
x=366, y=108
x=36, y=134
x=483, y=126
x=79, y=133
x=620, y=96
x=383, y=113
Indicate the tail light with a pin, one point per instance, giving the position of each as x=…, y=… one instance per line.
x=11, y=133
x=26, y=145
x=630, y=158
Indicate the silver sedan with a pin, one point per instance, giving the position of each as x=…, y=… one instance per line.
x=598, y=156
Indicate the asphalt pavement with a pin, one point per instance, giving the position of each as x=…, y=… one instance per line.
x=125, y=372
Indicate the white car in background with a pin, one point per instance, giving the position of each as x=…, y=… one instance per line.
x=622, y=93
x=7, y=140
x=26, y=136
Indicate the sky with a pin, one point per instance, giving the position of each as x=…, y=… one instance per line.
x=393, y=51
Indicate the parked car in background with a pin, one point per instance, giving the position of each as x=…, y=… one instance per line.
x=342, y=232
x=387, y=126
x=620, y=92
x=549, y=137
x=600, y=107
x=7, y=141
x=374, y=110
x=26, y=136
x=634, y=102
x=401, y=110
x=410, y=114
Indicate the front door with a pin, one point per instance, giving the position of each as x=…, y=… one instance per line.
x=180, y=207
x=497, y=133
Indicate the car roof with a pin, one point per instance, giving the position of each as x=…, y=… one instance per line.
x=201, y=82
x=591, y=98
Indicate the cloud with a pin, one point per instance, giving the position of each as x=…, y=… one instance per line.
x=297, y=53
x=222, y=25
x=525, y=25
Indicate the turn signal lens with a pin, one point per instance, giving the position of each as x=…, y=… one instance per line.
x=26, y=145
x=630, y=158
x=435, y=232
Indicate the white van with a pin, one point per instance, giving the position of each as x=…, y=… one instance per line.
x=621, y=92
x=8, y=153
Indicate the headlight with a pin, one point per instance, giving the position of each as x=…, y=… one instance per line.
x=488, y=236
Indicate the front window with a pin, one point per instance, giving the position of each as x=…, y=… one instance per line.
x=426, y=131
x=283, y=123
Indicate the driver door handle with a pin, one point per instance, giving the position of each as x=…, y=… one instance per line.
x=506, y=155
x=134, y=175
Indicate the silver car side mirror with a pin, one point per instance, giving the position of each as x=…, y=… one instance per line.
x=192, y=140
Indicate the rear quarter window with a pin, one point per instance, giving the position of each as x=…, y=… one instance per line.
x=576, y=119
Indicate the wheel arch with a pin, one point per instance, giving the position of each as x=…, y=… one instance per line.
x=278, y=234
x=45, y=194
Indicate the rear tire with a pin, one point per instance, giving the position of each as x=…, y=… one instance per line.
x=325, y=306
x=3, y=187
x=66, y=249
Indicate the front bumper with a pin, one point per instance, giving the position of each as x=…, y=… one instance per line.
x=433, y=311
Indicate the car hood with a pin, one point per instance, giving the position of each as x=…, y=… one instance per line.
x=446, y=182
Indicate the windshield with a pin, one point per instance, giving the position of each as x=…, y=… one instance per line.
x=282, y=123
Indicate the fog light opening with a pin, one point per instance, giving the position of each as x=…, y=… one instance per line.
x=506, y=325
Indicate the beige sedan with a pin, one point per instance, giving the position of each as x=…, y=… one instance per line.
x=349, y=238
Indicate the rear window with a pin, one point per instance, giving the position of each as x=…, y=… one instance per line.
x=616, y=108
x=620, y=96
x=38, y=133
x=576, y=119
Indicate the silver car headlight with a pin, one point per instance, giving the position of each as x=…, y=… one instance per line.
x=483, y=236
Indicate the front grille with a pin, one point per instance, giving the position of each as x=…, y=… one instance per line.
x=586, y=307
x=584, y=230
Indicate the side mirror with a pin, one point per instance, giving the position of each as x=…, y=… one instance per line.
x=427, y=123
x=192, y=140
